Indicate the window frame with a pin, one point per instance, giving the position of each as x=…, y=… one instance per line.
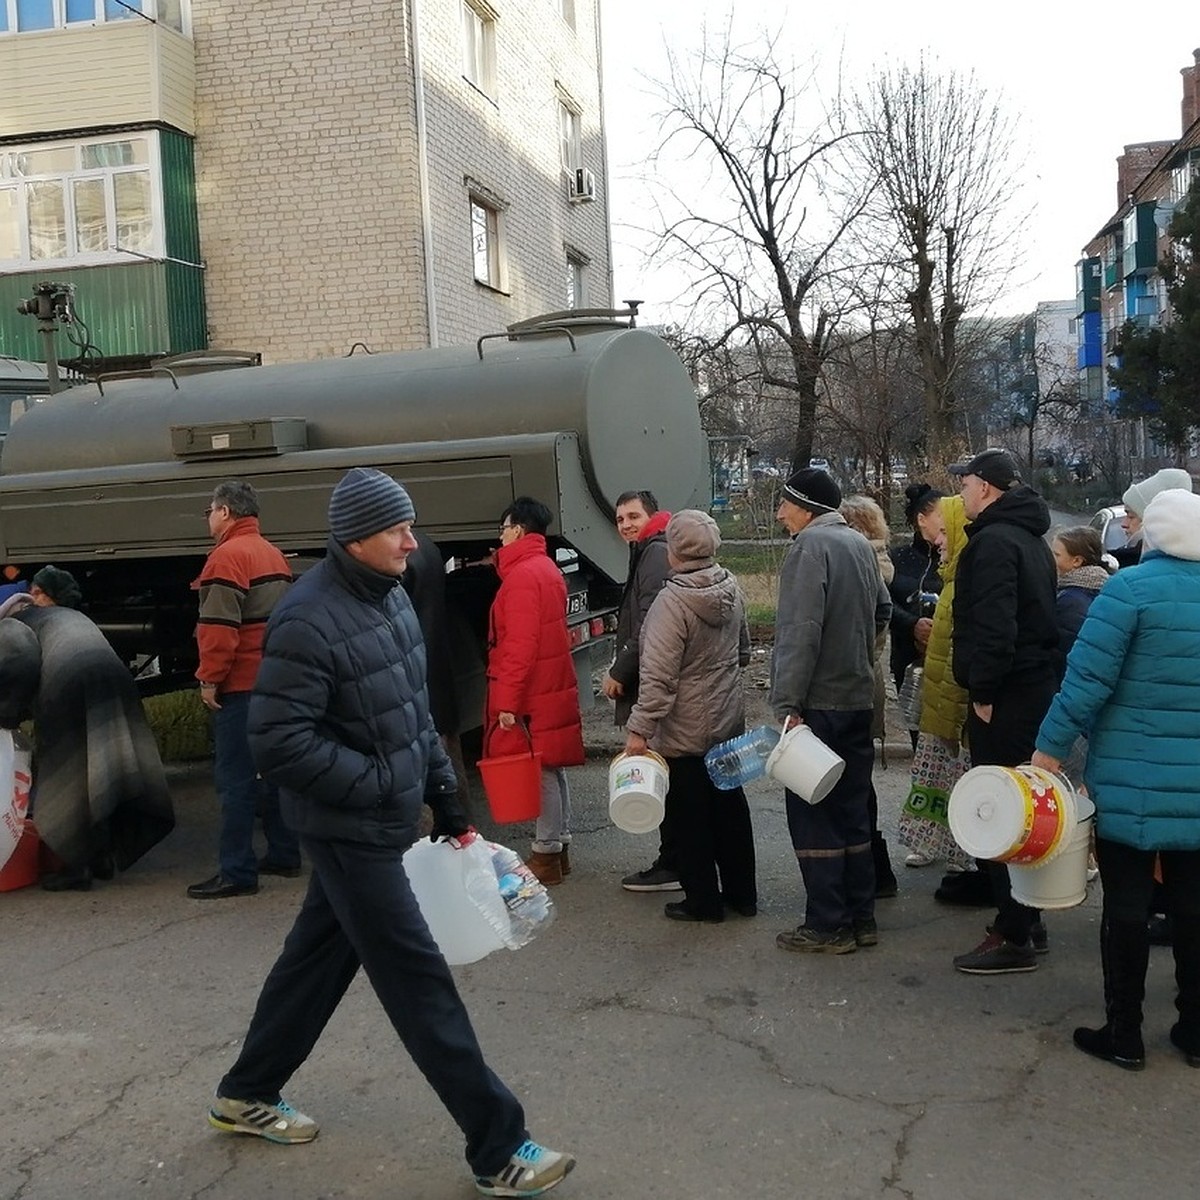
x=67, y=180
x=100, y=16
x=570, y=135
x=496, y=279
x=478, y=21
x=577, y=264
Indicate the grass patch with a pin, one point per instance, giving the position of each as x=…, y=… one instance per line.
x=181, y=726
x=759, y=616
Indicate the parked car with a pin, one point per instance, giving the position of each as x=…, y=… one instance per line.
x=1107, y=522
x=821, y=464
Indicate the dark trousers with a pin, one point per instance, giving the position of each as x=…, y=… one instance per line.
x=668, y=842
x=242, y=794
x=832, y=839
x=713, y=839
x=360, y=910
x=1007, y=740
x=1128, y=878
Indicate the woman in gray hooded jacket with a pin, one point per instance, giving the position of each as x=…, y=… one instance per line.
x=693, y=645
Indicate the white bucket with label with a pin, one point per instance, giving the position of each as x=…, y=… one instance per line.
x=637, y=791
x=1018, y=815
x=805, y=765
x=1059, y=882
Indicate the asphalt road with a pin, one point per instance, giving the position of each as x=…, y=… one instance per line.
x=676, y=1061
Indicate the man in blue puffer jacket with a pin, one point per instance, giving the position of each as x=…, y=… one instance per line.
x=340, y=722
x=1133, y=690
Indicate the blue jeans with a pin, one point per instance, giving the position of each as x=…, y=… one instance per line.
x=360, y=910
x=240, y=792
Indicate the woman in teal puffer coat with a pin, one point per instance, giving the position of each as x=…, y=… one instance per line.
x=1132, y=688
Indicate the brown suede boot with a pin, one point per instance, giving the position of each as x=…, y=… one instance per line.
x=566, y=859
x=547, y=867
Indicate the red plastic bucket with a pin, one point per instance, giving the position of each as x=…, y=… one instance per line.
x=513, y=784
x=22, y=869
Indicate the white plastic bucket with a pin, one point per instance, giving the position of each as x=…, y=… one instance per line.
x=805, y=765
x=637, y=791
x=1018, y=815
x=1060, y=882
x=464, y=932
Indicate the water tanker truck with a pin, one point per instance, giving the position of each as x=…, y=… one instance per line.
x=111, y=479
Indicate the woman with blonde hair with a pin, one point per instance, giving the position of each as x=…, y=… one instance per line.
x=863, y=514
x=939, y=760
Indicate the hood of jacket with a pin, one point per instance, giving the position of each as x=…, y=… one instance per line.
x=955, y=517
x=657, y=524
x=1020, y=506
x=711, y=593
x=1172, y=525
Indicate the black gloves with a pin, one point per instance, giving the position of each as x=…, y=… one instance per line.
x=449, y=820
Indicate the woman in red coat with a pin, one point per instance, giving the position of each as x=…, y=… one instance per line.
x=531, y=677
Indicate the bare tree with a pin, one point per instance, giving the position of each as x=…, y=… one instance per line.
x=755, y=228
x=943, y=222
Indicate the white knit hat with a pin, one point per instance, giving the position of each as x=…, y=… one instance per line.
x=1172, y=524
x=1138, y=495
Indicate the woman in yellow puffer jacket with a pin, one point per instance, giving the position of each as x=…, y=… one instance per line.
x=938, y=760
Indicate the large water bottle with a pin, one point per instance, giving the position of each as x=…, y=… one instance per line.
x=741, y=759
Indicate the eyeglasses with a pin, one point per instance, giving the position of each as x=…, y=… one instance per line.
x=212, y=508
x=506, y=525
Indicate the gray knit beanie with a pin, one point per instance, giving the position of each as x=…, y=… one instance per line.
x=365, y=502
x=693, y=539
x=1138, y=495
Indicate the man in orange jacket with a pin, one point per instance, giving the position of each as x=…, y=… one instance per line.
x=242, y=580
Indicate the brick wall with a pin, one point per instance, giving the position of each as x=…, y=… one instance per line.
x=307, y=170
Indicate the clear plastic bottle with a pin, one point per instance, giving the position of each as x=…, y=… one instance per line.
x=741, y=759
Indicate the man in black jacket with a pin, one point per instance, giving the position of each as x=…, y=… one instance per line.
x=340, y=722
x=1004, y=641
x=643, y=525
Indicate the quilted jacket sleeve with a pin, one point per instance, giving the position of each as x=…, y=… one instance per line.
x=289, y=737
x=664, y=635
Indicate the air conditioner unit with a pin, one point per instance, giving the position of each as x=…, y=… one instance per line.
x=581, y=186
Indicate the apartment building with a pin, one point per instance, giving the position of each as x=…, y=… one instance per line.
x=297, y=178
x=1117, y=280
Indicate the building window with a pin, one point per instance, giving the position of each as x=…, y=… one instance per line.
x=22, y=16
x=567, y=8
x=479, y=46
x=80, y=203
x=575, y=265
x=570, y=142
x=485, y=244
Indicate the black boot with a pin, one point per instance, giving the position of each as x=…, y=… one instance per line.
x=1124, y=956
x=885, y=878
x=1186, y=946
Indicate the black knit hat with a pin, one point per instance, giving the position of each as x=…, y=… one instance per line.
x=365, y=502
x=60, y=586
x=813, y=489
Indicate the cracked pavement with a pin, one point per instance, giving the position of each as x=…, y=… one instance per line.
x=676, y=1061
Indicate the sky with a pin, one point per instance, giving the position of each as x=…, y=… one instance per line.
x=1080, y=85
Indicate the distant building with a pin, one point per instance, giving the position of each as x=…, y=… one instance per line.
x=294, y=177
x=1117, y=279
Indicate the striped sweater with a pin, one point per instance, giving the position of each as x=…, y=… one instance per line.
x=243, y=579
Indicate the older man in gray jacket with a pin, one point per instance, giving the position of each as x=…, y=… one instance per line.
x=832, y=602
